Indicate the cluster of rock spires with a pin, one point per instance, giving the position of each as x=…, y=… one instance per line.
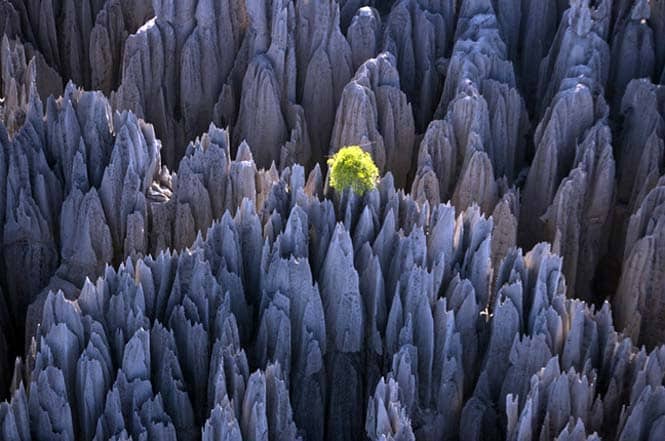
x=174, y=265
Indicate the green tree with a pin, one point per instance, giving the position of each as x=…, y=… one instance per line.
x=352, y=167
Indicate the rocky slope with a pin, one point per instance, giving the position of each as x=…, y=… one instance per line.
x=174, y=265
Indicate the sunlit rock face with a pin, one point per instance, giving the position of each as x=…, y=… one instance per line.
x=175, y=265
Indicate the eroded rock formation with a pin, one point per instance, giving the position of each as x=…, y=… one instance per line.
x=175, y=265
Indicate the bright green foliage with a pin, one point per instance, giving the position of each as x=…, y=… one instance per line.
x=352, y=167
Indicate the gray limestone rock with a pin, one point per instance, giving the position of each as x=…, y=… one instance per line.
x=419, y=33
x=556, y=139
x=637, y=306
x=581, y=28
x=642, y=105
x=113, y=24
x=363, y=34
x=163, y=278
x=325, y=65
x=375, y=114
x=386, y=418
x=577, y=221
x=157, y=345
x=22, y=71
x=632, y=41
x=185, y=46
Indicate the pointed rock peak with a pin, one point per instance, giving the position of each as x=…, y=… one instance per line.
x=314, y=185
x=136, y=357
x=57, y=309
x=379, y=71
x=272, y=173
x=386, y=187
x=122, y=122
x=70, y=91
x=315, y=173
x=247, y=209
x=198, y=242
x=35, y=108
x=218, y=136
x=641, y=11
x=296, y=181
x=342, y=240
x=244, y=152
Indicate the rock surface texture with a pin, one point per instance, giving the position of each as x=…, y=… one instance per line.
x=175, y=266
